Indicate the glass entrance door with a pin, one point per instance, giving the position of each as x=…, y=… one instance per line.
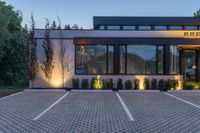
x=190, y=65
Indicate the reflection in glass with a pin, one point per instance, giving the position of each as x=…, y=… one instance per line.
x=91, y=59
x=141, y=59
x=175, y=27
x=160, y=27
x=128, y=27
x=110, y=58
x=113, y=27
x=144, y=27
x=122, y=59
x=174, y=59
x=191, y=27
x=190, y=65
x=160, y=59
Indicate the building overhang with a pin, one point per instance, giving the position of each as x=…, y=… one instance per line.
x=135, y=40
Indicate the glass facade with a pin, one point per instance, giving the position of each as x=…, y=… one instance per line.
x=110, y=59
x=176, y=27
x=160, y=27
x=125, y=59
x=91, y=59
x=144, y=27
x=113, y=27
x=141, y=59
x=191, y=27
x=174, y=59
x=129, y=28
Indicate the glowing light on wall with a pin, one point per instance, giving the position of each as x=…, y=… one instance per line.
x=179, y=78
x=141, y=79
x=98, y=83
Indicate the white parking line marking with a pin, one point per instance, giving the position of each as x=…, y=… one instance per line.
x=36, y=118
x=183, y=100
x=11, y=95
x=125, y=108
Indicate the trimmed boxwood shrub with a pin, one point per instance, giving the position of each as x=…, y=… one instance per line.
x=85, y=84
x=128, y=85
x=136, y=84
x=154, y=84
x=75, y=83
x=146, y=84
x=109, y=84
x=192, y=86
x=161, y=85
x=119, y=84
x=92, y=83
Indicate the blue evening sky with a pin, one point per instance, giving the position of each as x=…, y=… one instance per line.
x=81, y=12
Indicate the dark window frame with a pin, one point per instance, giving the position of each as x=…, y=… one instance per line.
x=114, y=60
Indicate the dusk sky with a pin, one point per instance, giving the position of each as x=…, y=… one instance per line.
x=81, y=12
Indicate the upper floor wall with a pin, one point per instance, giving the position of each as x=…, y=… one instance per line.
x=146, y=23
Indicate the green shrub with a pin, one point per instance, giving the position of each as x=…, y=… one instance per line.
x=109, y=84
x=168, y=84
x=85, y=84
x=192, y=86
x=136, y=84
x=75, y=83
x=146, y=84
x=161, y=85
x=119, y=84
x=154, y=84
x=128, y=85
x=92, y=83
x=175, y=84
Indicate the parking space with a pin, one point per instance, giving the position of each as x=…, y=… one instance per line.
x=99, y=112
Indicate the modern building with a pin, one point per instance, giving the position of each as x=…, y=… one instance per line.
x=127, y=48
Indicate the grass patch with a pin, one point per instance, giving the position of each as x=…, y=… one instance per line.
x=5, y=90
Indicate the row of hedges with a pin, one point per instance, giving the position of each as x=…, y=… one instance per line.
x=136, y=84
x=191, y=85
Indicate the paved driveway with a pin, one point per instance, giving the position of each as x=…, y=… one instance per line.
x=100, y=112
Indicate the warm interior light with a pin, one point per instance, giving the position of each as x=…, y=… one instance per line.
x=179, y=86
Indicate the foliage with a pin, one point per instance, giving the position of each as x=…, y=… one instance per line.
x=13, y=47
x=146, y=84
x=67, y=27
x=119, y=84
x=154, y=84
x=53, y=25
x=85, y=84
x=136, y=84
x=129, y=85
x=75, y=83
x=161, y=85
x=33, y=60
x=109, y=83
x=47, y=65
x=192, y=86
x=98, y=84
x=92, y=83
x=197, y=14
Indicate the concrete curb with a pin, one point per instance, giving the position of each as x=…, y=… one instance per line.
x=141, y=91
x=44, y=90
x=183, y=91
x=91, y=90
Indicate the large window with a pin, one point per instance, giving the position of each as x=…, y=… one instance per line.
x=110, y=59
x=113, y=27
x=144, y=27
x=141, y=59
x=191, y=27
x=124, y=59
x=176, y=27
x=128, y=27
x=91, y=59
x=160, y=27
x=174, y=59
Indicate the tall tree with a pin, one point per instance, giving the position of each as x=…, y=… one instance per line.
x=53, y=26
x=33, y=60
x=64, y=56
x=67, y=27
x=47, y=65
x=75, y=27
x=13, y=47
x=197, y=14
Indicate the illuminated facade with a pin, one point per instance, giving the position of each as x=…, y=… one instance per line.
x=127, y=48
